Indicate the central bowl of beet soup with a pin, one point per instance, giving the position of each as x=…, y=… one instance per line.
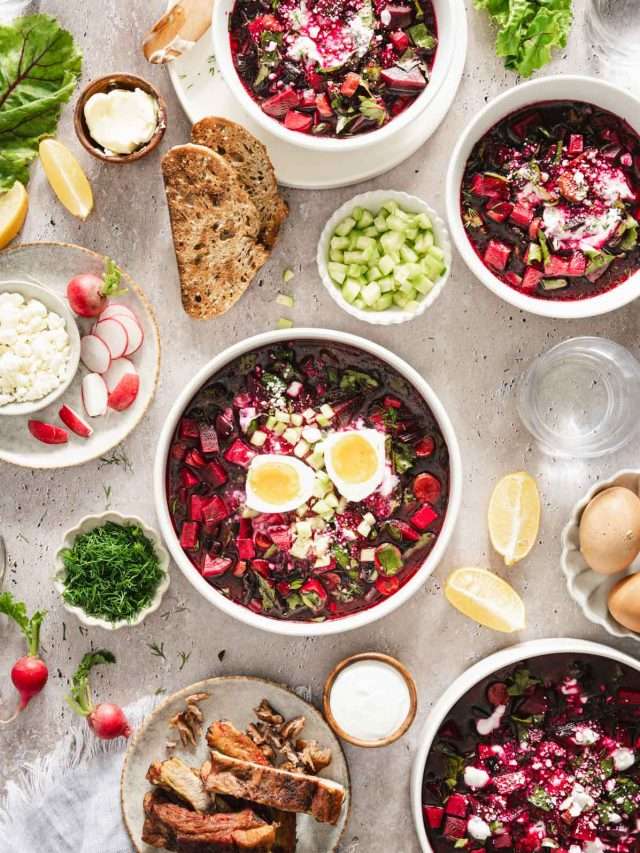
x=537, y=747
x=543, y=197
x=336, y=74
x=307, y=482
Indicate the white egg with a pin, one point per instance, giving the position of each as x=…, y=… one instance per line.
x=278, y=483
x=355, y=461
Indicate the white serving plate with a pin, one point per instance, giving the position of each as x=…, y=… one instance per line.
x=203, y=94
x=280, y=626
x=232, y=698
x=373, y=201
x=472, y=676
x=590, y=589
x=90, y=522
x=52, y=265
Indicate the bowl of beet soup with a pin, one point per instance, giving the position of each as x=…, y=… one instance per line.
x=543, y=197
x=337, y=74
x=307, y=481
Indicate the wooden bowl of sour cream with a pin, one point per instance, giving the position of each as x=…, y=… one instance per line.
x=131, y=114
x=370, y=699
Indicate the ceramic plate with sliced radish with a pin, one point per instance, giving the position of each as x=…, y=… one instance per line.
x=119, y=358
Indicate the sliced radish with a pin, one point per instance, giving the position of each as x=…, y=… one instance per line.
x=134, y=333
x=75, y=423
x=114, y=334
x=94, y=395
x=114, y=309
x=95, y=354
x=118, y=368
x=125, y=392
x=48, y=433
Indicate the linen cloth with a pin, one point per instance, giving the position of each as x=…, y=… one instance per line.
x=69, y=801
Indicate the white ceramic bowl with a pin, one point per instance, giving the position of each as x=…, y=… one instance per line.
x=89, y=522
x=52, y=302
x=477, y=673
x=373, y=201
x=279, y=626
x=561, y=87
x=588, y=588
x=452, y=37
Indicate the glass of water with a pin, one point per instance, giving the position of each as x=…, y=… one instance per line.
x=613, y=28
x=581, y=398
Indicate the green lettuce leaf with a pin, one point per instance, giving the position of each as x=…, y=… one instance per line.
x=528, y=30
x=39, y=68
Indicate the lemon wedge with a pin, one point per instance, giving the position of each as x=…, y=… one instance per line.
x=486, y=598
x=514, y=516
x=66, y=177
x=13, y=211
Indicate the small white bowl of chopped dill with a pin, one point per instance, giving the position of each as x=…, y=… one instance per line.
x=111, y=571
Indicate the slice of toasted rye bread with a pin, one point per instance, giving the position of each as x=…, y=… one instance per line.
x=250, y=159
x=215, y=229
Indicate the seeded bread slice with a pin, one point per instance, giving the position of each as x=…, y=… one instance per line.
x=250, y=159
x=215, y=229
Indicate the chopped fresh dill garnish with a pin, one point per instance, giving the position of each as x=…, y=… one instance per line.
x=184, y=657
x=157, y=650
x=107, y=496
x=112, y=572
x=116, y=457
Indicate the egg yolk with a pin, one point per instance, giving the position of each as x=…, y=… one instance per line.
x=354, y=459
x=275, y=482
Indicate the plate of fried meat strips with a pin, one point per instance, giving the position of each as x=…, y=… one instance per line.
x=234, y=764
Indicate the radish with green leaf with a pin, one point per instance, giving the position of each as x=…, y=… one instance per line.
x=107, y=720
x=29, y=674
x=88, y=293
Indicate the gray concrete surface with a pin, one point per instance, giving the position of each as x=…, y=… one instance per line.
x=470, y=346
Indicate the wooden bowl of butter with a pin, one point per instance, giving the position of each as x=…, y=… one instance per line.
x=120, y=118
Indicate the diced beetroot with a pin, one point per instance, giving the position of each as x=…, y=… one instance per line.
x=521, y=126
x=403, y=80
x=400, y=40
x=497, y=254
x=454, y=828
x=502, y=841
x=239, y=453
x=213, y=567
x=531, y=279
x=405, y=530
x=307, y=100
x=188, y=478
x=433, y=815
x=298, y=121
x=425, y=446
x=323, y=106
x=240, y=568
x=534, y=228
x=178, y=450
x=224, y=423
x=497, y=693
x=261, y=567
x=350, y=84
x=216, y=474
x=510, y=782
x=400, y=16
x=281, y=537
x=315, y=80
x=426, y=487
x=195, y=459
x=246, y=549
x=576, y=143
x=513, y=279
x=522, y=215
x=209, y=439
x=488, y=186
x=628, y=697
x=499, y=211
x=556, y=266
x=189, y=535
x=263, y=24
x=215, y=511
x=188, y=428
x=535, y=704
x=387, y=586
x=245, y=530
x=425, y=516
x=399, y=104
x=279, y=105
x=196, y=505
x=577, y=264
x=456, y=805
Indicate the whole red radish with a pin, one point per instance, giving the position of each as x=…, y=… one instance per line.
x=107, y=720
x=88, y=293
x=29, y=674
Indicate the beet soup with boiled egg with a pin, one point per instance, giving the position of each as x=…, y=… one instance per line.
x=551, y=200
x=333, y=68
x=307, y=482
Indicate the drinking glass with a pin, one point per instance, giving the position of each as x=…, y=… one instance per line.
x=11, y=9
x=581, y=398
x=613, y=28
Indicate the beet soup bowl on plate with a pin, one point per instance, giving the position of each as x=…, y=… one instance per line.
x=307, y=481
x=336, y=75
x=534, y=747
x=543, y=197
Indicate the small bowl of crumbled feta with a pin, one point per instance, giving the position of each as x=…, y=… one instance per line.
x=39, y=347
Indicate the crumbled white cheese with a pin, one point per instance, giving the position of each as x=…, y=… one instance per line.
x=623, y=758
x=578, y=801
x=478, y=828
x=34, y=349
x=475, y=777
x=592, y=233
x=584, y=736
x=490, y=724
x=595, y=846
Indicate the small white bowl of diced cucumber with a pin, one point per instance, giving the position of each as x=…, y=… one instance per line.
x=384, y=256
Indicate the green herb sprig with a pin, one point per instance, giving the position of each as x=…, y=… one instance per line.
x=112, y=572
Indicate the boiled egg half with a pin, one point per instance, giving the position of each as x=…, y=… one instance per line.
x=278, y=483
x=355, y=461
